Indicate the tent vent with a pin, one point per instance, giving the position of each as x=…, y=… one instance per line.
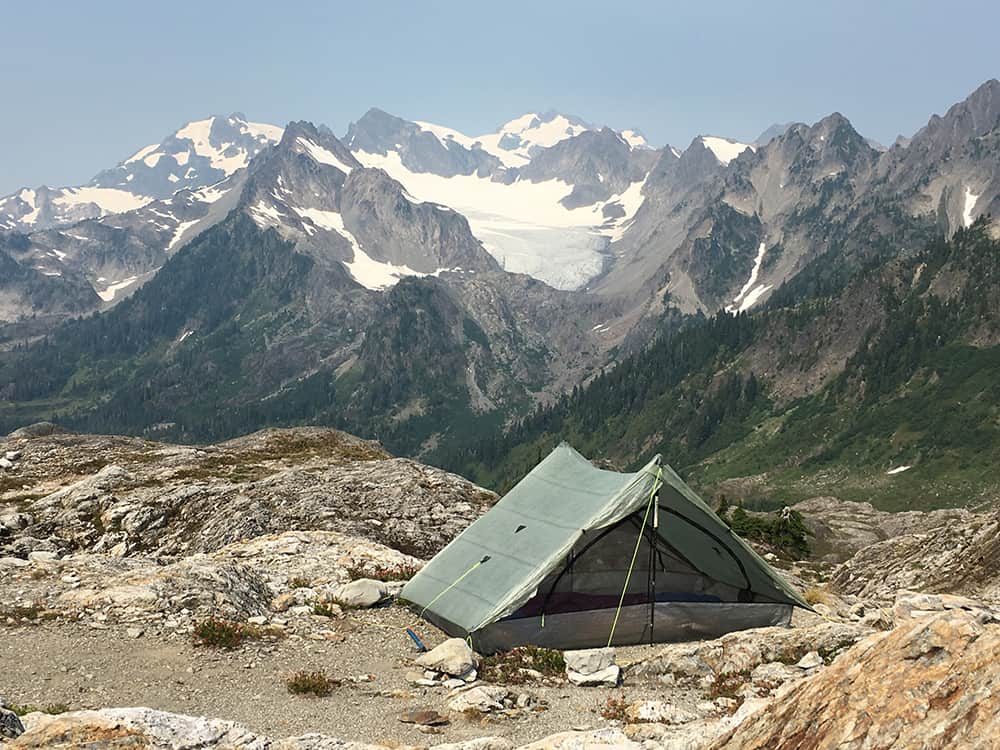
x=522, y=527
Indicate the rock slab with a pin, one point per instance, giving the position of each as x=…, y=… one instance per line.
x=928, y=685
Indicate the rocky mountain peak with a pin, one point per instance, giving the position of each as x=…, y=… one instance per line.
x=375, y=130
x=199, y=153
x=318, y=144
x=419, y=146
x=697, y=162
x=598, y=163
x=976, y=115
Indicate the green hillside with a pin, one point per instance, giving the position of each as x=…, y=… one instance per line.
x=920, y=390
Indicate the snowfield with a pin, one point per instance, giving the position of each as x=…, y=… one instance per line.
x=725, y=149
x=523, y=225
x=750, y=293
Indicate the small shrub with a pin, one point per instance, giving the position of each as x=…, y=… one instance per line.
x=817, y=595
x=51, y=708
x=615, y=709
x=300, y=583
x=474, y=714
x=728, y=685
x=34, y=611
x=324, y=610
x=786, y=531
x=508, y=667
x=218, y=633
x=311, y=683
x=382, y=572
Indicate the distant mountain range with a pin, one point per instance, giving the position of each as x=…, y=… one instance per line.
x=412, y=283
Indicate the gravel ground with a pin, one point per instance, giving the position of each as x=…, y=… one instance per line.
x=72, y=664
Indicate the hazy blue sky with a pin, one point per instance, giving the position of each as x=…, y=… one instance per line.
x=88, y=83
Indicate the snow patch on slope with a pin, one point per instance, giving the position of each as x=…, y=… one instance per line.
x=725, y=149
x=179, y=232
x=322, y=155
x=226, y=156
x=970, y=205
x=108, y=293
x=515, y=140
x=372, y=274
x=635, y=139
x=750, y=293
x=108, y=200
x=448, y=135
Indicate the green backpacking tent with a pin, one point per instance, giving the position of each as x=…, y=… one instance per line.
x=577, y=557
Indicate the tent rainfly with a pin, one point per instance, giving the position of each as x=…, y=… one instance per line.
x=579, y=557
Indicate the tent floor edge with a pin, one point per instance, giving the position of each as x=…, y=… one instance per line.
x=675, y=621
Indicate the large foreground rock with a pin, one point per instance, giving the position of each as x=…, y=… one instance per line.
x=267, y=575
x=930, y=685
x=129, y=728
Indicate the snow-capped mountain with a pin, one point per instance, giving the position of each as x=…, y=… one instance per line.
x=313, y=191
x=116, y=253
x=304, y=188
x=199, y=154
x=544, y=193
x=718, y=226
x=369, y=279
x=726, y=224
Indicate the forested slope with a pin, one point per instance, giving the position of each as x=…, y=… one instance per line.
x=894, y=365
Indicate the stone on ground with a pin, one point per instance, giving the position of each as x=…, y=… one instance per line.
x=453, y=657
x=482, y=698
x=590, y=660
x=608, y=676
x=362, y=593
x=657, y=712
x=591, y=667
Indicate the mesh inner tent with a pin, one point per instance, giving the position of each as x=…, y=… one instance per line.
x=594, y=574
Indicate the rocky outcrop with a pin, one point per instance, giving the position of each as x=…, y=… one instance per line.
x=115, y=728
x=961, y=557
x=911, y=605
x=841, y=528
x=131, y=497
x=744, y=650
x=10, y=723
x=286, y=574
x=928, y=685
x=144, y=727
